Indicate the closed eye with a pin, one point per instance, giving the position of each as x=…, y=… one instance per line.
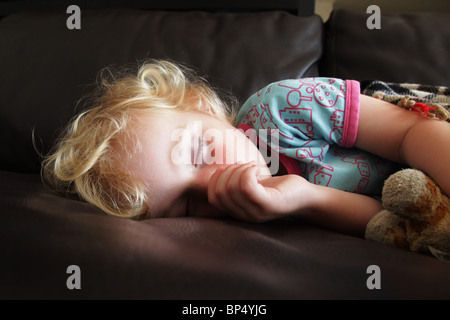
x=199, y=155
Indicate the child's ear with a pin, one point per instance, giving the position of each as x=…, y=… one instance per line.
x=206, y=100
x=202, y=105
x=194, y=101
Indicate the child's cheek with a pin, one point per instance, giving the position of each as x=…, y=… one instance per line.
x=238, y=148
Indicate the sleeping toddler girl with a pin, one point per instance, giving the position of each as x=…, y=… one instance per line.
x=161, y=143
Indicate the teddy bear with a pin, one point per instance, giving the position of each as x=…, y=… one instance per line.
x=416, y=215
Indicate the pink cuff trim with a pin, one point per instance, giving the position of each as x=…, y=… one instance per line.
x=351, y=117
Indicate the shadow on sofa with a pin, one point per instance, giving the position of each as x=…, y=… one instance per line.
x=46, y=68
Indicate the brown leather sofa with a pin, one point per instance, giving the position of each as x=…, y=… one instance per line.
x=45, y=68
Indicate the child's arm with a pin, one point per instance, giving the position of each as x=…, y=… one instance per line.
x=405, y=137
x=384, y=129
x=237, y=191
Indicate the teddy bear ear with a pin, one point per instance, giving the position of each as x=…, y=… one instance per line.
x=413, y=195
x=403, y=189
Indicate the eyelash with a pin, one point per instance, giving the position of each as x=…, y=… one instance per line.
x=198, y=163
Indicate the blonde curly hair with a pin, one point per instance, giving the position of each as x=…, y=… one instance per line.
x=88, y=159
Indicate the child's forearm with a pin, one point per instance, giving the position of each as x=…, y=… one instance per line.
x=341, y=211
x=237, y=191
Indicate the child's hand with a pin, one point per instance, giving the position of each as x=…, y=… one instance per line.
x=237, y=191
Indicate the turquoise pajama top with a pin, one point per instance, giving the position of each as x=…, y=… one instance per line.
x=316, y=122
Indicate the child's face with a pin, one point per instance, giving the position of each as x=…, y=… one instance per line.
x=180, y=152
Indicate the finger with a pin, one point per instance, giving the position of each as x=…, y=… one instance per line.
x=220, y=186
x=250, y=195
x=211, y=191
x=244, y=176
x=221, y=189
x=240, y=181
x=250, y=187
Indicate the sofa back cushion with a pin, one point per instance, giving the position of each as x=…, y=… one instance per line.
x=409, y=47
x=46, y=68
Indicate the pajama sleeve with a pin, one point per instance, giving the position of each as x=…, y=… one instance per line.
x=306, y=110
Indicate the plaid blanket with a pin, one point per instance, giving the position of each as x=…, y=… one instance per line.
x=432, y=101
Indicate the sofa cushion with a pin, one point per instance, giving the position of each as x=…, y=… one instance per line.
x=42, y=234
x=409, y=47
x=46, y=67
